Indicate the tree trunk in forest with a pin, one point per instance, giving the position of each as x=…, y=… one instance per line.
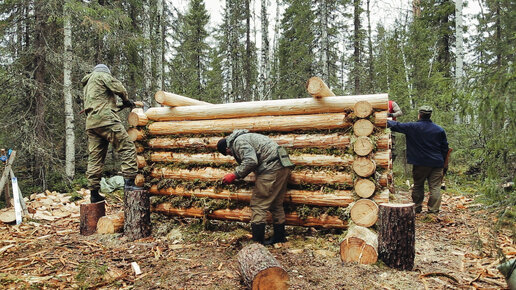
x=161, y=43
x=288, y=141
x=67, y=93
x=188, y=110
x=317, y=88
x=111, y=224
x=459, y=44
x=260, y=270
x=248, y=51
x=357, y=46
x=244, y=215
x=147, y=53
x=325, y=47
x=90, y=214
x=136, y=214
x=173, y=100
x=263, y=85
x=364, y=212
x=396, y=235
x=371, y=71
x=360, y=245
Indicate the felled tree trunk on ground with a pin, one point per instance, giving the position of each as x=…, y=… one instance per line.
x=396, y=235
x=260, y=270
x=136, y=214
x=360, y=245
x=90, y=215
x=111, y=224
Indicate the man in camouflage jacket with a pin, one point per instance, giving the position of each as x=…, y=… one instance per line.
x=259, y=154
x=103, y=126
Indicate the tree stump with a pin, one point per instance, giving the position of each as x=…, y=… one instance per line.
x=364, y=212
x=396, y=236
x=363, y=146
x=111, y=224
x=136, y=214
x=365, y=188
x=260, y=270
x=363, y=127
x=363, y=109
x=90, y=215
x=360, y=245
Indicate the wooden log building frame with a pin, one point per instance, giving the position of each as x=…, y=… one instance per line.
x=339, y=145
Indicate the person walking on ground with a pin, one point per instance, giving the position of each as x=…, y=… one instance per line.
x=271, y=164
x=394, y=112
x=427, y=148
x=103, y=126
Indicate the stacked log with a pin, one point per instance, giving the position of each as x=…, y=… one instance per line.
x=338, y=143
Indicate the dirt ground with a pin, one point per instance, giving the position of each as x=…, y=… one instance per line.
x=458, y=249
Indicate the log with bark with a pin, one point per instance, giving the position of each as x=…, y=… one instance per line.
x=216, y=174
x=381, y=159
x=173, y=100
x=255, y=124
x=396, y=235
x=111, y=224
x=136, y=214
x=360, y=245
x=288, y=141
x=90, y=214
x=317, y=88
x=364, y=212
x=260, y=270
x=244, y=215
x=265, y=108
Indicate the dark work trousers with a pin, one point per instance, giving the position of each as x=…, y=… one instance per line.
x=434, y=176
x=268, y=195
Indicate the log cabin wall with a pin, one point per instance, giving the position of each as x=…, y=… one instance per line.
x=339, y=144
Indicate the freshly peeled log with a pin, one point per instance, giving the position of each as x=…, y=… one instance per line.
x=363, y=146
x=363, y=127
x=364, y=212
x=363, y=109
x=365, y=188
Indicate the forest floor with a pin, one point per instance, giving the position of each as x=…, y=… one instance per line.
x=458, y=249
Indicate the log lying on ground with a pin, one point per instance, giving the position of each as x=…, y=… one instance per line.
x=90, y=215
x=383, y=142
x=265, y=108
x=263, y=123
x=337, y=198
x=360, y=245
x=364, y=212
x=173, y=100
x=244, y=215
x=260, y=269
x=111, y=224
x=380, y=158
x=317, y=88
x=297, y=177
x=396, y=235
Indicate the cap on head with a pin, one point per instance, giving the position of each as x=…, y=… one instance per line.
x=102, y=68
x=425, y=109
x=222, y=145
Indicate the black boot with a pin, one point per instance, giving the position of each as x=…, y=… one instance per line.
x=279, y=235
x=130, y=186
x=258, y=231
x=95, y=196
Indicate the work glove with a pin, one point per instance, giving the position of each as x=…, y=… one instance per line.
x=390, y=115
x=229, y=178
x=128, y=104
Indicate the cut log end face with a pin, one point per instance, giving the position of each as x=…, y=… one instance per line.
x=365, y=188
x=362, y=109
x=363, y=146
x=271, y=278
x=363, y=127
x=354, y=249
x=364, y=212
x=364, y=166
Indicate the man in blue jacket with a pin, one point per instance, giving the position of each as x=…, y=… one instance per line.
x=426, y=151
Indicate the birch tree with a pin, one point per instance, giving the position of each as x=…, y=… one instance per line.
x=147, y=60
x=67, y=93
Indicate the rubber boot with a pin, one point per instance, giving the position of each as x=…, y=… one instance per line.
x=95, y=196
x=279, y=235
x=258, y=231
x=130, y=186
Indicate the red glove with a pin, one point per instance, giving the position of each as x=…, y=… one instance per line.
x=229, y=178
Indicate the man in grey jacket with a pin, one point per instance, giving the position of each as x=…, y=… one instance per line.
x=259, y=154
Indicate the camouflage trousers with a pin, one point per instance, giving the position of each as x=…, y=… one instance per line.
x=268, y=195
x=98, y=143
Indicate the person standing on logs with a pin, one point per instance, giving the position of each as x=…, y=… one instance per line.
x=427, y=148
x=103, y=126
x=394, y=112
x=271, y=164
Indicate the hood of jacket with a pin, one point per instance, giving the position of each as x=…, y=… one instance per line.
x=236, y=133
